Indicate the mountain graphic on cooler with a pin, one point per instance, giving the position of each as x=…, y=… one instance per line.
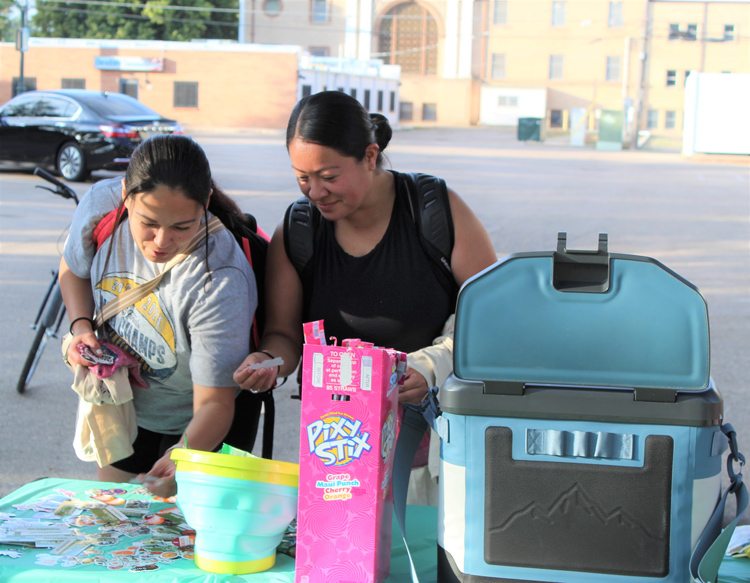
x=574, y=505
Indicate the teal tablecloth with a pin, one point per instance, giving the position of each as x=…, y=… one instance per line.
x=421, y=533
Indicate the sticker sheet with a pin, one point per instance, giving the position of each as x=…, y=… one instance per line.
x=119, y=528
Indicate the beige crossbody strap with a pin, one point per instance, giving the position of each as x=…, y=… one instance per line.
x=138, y=292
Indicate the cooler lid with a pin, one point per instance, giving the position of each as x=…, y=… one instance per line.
x=583, y=318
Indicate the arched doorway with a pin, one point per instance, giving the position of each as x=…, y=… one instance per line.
x=409, y=37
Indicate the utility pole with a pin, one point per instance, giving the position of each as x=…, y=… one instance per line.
x=643, y=57
x=22, y=45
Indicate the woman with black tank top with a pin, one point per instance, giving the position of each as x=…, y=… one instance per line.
x=371, y=279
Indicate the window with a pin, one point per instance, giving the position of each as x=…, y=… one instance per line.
x=670, y=119
x=555, y=66
x=615, y=14
x=729, y=32
x=671, y=78
x=692, y=32
x=687, y=74
x=498, y=66
x=500, y=12
x=558, y=14
x=272, y=8
x=24, y=107
x=319, y=11
x=73, y=84
x=49, y=106
x=367, y=100
x=406, y=111
x=185, y=94
x=353, y=93
x=409, y=37
x=29, y=84
x=393, y=101
x=129, y=87
x=652, y=119
x=556, y=118
x=429, y=112
x=507, y=101
x=306, y=90
x=674, y=31
x=613, y=69
x=318, y=51
x=380, y=101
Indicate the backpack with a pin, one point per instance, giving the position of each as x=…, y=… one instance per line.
x=254, y=244
x=430, y=209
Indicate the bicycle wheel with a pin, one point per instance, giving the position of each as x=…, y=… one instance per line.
x=46, y=327
x=32, y=359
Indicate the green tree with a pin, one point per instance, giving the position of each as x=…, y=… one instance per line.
x=136, y=19
x=8, y=22
x=224, y=24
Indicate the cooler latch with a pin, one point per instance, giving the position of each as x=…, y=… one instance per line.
x=503, y=387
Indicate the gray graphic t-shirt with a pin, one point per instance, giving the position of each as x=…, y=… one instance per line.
x=192, y=329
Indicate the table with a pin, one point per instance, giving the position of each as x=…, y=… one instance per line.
x=421, y=533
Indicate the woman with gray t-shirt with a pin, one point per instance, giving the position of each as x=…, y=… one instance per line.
x=192, y=331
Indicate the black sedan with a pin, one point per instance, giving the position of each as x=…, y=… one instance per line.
x=75, y=131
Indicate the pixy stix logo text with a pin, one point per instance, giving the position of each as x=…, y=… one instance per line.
x=337, y=439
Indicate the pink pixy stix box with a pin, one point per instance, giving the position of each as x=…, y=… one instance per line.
x=347, y=438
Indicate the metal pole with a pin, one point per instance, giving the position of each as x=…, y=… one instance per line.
x=642, y=83
x=704, y=35
x=21, y=87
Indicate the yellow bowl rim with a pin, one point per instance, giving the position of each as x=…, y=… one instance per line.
x=234, y=461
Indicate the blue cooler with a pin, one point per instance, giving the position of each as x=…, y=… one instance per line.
x=580, y=430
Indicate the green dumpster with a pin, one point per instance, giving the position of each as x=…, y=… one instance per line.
x=530, y=128
x=610, y=130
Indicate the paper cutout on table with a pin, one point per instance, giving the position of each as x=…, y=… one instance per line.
x=155, y=536
x=739, y=544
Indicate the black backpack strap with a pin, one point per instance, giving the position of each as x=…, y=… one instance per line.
x=428, y=197
x=300, y=225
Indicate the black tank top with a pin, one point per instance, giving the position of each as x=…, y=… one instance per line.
x=390, y=296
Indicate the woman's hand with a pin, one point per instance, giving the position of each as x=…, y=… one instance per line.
x=160, y=480
x=414, y=388
x=258, y=380
x=90, y=340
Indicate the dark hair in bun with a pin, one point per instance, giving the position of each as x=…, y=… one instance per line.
x=336, y=120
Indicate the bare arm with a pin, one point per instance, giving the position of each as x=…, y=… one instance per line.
x=282, y=336
x=213, y=410
x=472, y=249
x=79, y=303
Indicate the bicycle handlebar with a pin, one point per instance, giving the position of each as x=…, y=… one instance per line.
x=60, y=189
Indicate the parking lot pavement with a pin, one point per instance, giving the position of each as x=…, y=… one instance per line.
x=691, y=215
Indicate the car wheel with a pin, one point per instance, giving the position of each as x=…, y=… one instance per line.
x=70, y=162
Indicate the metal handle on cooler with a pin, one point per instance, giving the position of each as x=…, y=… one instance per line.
x=581, y=271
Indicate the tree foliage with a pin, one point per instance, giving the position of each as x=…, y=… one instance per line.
x=8, y=23
x=136, y=19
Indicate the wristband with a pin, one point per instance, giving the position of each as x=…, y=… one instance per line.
x=268, y=354
x=82, y=318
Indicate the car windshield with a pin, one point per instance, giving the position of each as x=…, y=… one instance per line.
x=115, y=105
